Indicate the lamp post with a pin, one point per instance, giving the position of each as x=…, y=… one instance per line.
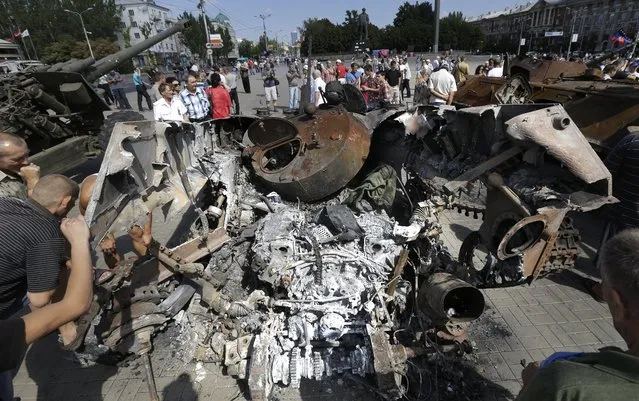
x=263, y=17
x=86, y=36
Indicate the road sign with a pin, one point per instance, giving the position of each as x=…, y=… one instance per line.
x=555, y=33
x=209, y=52
x=208, y=45
x=216, y=41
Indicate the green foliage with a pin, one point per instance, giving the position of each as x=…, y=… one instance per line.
x=194, y=37
x=49, y=24
x=247, y=49
x=66, y=49
x=412, y=30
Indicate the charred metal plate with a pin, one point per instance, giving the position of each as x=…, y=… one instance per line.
x=329, y=150
x=271, y=131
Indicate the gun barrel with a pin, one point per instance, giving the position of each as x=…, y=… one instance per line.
x=110, y=62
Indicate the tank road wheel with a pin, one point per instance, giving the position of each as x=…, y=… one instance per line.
x=109, y=123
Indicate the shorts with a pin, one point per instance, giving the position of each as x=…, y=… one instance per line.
x=271, y=93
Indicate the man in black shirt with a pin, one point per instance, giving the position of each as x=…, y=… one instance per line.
x=33, y=252
x=392, y=77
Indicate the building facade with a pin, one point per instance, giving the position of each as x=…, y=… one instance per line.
x=221, y=22
x=142, y=19
x=548, y=25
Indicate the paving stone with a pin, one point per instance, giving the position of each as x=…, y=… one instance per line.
x=554, y=313
x=503, y=369
x=587, y=314
x=541, y=319
x=514, y=357
x=560, y=334
x=565, y=311
x=524, y=331
x=574, y=327
x=584, y=338
x=537, y=342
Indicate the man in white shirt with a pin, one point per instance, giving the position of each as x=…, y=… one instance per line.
x=406, y=77
x=442, y=86
x=497, y=71
x=169, y=107
x=318, y=84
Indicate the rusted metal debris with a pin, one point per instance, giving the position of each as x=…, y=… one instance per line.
x=277, y=291
x=603, y=110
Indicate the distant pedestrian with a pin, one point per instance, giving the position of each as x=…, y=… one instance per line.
x=140, y=88
x=158, y=80
x=354, y=75
x=341, y=71
x=462, y=70
x=406, y=77
x=245, y=71
x=270, y=85
x=231, y=83
x=219, y=97
x=294, y=77
x=497, y=71
x=442, y=86
x=103, y=83
x=329, y=74
x=117, y=87
x=393, y=77
x=319, y=87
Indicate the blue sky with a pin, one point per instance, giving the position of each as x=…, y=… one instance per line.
x=286, y=15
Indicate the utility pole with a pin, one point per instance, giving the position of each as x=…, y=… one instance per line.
x=206, y=29
x=437, y=9
x=264, y=17
x=572, y=30
x=86, y=36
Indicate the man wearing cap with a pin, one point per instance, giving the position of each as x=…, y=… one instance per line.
x=341, y=71
x=442, y=86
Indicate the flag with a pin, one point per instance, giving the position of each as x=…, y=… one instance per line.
x=620, y=37
x=25, y=33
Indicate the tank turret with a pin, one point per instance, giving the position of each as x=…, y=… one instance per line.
x=56, y=110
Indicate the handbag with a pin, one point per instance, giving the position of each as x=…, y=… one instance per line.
x=277, y=82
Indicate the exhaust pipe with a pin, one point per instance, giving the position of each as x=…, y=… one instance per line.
x=445, y=298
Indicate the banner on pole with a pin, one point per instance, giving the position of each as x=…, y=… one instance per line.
x=554, y=33
x=25, y=33
x=574, y=37
x=522, y=42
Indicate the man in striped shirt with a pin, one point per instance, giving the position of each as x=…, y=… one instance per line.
x=33, y=252
x=195, y=100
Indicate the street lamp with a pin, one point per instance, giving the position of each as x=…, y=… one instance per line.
x=572, y=30
x=83, y=28
x=264, y=17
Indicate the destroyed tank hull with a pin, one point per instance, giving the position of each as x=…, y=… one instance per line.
x=603, y=110
x=59, y=113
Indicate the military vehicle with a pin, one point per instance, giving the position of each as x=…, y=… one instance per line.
x=603, y=110
x=59, y=113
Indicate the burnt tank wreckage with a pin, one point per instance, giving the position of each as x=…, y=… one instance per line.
x=59, y=113
x=603, y=110
x=313, y=248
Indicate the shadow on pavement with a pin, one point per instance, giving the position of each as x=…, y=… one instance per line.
x=58, y=375
x=181, y=389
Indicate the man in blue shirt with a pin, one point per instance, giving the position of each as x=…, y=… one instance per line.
x=196, y=102
x=353, y=76
x=140, y=87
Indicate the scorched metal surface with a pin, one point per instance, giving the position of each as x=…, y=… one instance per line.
x=328, y=150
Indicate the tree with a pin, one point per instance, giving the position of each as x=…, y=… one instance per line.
x=194, y=37
x=66, y=49
x=48, y=23
x=247, y=49
x=457, y=33
x=327, y=37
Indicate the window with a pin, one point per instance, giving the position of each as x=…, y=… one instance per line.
x=123, y=25
x=172, y=47
x=131, y=13
x=134, y=24
x=136, y=35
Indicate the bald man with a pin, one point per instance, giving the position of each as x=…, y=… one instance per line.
x=17, y=176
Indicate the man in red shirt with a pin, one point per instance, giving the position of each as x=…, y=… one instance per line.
x=341, y=71
x=220, y=98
